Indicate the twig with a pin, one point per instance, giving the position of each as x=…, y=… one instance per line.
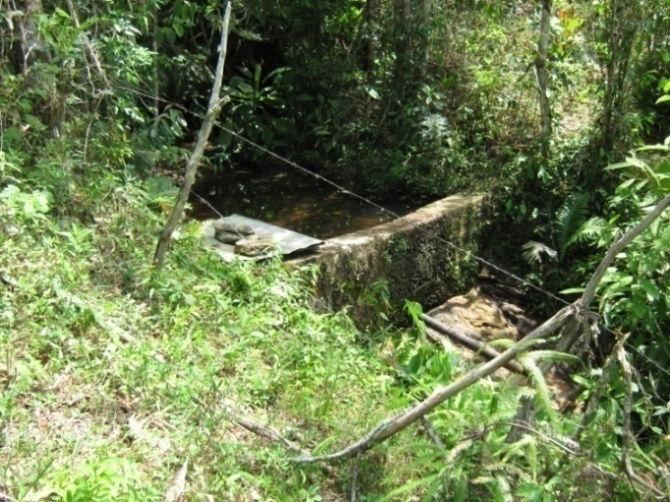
x=269, y=434
x=353, y=492
x=628, y=438
x=571, y=335
x=390, y=426
x=600, y=387
x=590, y=290
x=432, y=433
x=177, y=486
x=93, y=54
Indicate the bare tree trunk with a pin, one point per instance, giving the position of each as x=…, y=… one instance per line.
x=403, y=45
x=425, y=31
x=371, y=33
x=542, y=77
x=194, y=160
x=32, y=46
x=621, y=26
x=92, y=52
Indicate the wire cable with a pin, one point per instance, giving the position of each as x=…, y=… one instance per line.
x=355, y=195
x=390, y=212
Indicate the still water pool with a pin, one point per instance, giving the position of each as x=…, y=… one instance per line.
x=289, y=199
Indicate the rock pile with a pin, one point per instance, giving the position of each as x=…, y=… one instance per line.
x=243, y=237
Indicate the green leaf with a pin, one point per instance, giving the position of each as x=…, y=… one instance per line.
x=415, y=310
x=569, y=219
x=543, y=394
x=650, y=288
x=663, y=99
x=372, y=92
x=553, y=356
x=571, y=291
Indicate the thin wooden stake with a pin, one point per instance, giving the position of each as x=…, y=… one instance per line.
x=213, y=109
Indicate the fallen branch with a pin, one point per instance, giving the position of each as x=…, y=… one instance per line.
x=579, y=328
x=177, y=486
x=590, y=291
x=213, y=108
x=269, y=434
x=390, y=426
x=462, y=336
x=353, y=492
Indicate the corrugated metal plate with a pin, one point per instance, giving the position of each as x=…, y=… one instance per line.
x=287, y=241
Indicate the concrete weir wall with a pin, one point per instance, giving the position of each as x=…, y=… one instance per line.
x=375, y=270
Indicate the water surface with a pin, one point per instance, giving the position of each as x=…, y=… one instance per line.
x=290, y=199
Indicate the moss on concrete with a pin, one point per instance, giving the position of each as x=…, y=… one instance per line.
x=405, y=254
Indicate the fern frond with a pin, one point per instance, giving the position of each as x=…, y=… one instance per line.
x=503, y=343
x=425, y=483
x=553, y=356
x=533, y=252
x=542, y=392
x=503, y=490
x=570, y=218
x=518, y=449
x=527, y=392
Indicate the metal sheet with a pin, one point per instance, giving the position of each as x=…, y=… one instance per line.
x=287, y=241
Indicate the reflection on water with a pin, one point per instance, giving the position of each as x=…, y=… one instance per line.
x=288, y=199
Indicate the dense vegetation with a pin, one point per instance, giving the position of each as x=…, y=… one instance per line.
x=115, y=372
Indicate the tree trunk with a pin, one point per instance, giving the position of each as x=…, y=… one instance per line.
x=425, y=32
x=543, y=77
x=402, y=70
x=621, y=26
x=371, y=34
x=32, y=46
x=194, y=160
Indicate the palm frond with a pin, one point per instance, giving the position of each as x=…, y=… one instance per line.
x=590, y=231
x=569, y=219
x=533, y=252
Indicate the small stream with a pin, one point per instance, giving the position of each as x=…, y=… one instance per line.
x=292, y=200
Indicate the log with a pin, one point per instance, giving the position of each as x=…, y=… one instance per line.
x=462, y=336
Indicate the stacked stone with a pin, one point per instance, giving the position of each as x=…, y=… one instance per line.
x=242, y=236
